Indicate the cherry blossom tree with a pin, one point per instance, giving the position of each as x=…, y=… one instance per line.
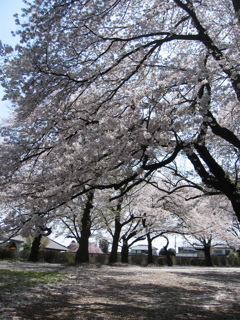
x=16, y=219
x=120, y=221
x=207, y=221
x=107, y=92
x=133, y=217
x=81, y=219
x=157, y=221
x=132, y=235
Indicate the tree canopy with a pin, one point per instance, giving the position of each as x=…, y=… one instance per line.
x=106, y=92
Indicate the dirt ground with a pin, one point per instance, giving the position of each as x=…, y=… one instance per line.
x=91, y=292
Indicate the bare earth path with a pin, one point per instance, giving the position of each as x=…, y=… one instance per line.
x=92, y=292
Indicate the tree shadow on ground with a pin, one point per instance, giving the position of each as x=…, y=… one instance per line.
x=110, y=297
x=213, y=275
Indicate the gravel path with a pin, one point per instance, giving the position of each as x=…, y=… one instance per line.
x=124, y=293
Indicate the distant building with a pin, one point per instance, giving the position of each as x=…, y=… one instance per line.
x=46, y=243
x=189, y=252
x=15, y=243
x=219, y=250
x=142, y=249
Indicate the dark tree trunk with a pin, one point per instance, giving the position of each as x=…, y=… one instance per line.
x=82, y=254
x=168, y=257
x=36, y=244
x=149, y=241
x=208, y=259
x=126, y=246
x=124, y=252
x=117, y=232
x=116, y=237
x=35, y=249
x=222, y=132
x=150, y=255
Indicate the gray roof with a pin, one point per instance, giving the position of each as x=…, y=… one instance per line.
x=19, y=239
x=142, y=247
x=53, y=245
x=46, y=241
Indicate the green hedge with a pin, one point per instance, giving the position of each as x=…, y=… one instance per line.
x=137, y=259
x=101, y=258
x=50, y=256
x=56, y=257
x=7, y=254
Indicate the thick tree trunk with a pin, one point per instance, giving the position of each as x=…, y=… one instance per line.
x=150, y=255
x=124, y=252
x=82, y=254
x=208, y=259
x=35, y=249
x=117, y=232
x=116, y=236
x=125, y=247
x=36, y=244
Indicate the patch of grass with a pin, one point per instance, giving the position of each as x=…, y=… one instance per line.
x=12, y=280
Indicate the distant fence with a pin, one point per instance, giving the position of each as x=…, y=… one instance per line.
x=136, y=259
x=218, y=261
x=140, y=259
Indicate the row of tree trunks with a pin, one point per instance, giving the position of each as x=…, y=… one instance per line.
x=82, y=255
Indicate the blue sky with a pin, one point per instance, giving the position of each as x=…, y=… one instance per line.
x=7, y=9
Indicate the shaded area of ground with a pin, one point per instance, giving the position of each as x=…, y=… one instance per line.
x=124, y=293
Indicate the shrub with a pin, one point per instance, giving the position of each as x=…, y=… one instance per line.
x=47, y=256
x=26, y=246
x=183, y=261
x=197, y=262
x=171, y=252
x=100, y=258
x=233, y=260
x=24, y=254
x=161, y=261
x=103, y=245
x=232, y=255
x=7, y=254
x=138, y=259
x=56, y=256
